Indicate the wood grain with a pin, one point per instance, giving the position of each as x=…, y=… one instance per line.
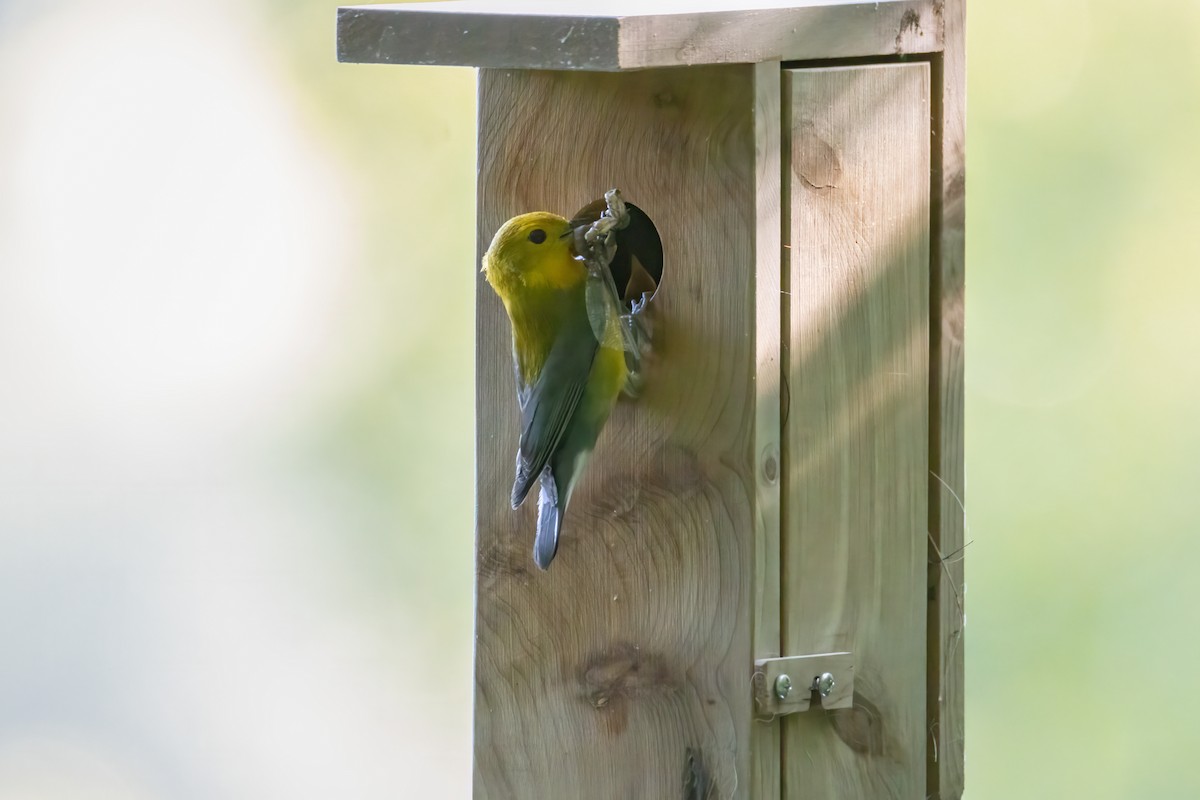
x=624, y=671
x=856, y=435
x=946, y=451
x=630, y=34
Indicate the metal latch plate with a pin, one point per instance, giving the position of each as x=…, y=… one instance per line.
x=786, y=685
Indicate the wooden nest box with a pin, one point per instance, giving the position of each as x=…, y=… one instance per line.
x=783, y=502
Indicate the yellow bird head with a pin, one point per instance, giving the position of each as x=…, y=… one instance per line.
x=533, y=251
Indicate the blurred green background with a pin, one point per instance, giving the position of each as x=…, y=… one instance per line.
x=236, y=285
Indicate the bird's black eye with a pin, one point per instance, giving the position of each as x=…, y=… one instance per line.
x=537, y=236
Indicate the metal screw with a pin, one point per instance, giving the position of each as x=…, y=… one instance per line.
x=823, y=684
x=783, y=686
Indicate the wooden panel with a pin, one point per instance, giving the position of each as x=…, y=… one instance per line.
x=946, y=454
x=856, y=432
x=633, y=34
x=764, y=736
x=624, y=671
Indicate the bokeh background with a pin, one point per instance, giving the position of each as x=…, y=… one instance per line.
x=236, y=287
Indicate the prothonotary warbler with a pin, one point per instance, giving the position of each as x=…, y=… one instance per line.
x=570, y=367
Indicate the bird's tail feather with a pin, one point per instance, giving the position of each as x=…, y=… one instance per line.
x=549, y=522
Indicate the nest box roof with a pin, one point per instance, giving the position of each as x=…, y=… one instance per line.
x=633, y=34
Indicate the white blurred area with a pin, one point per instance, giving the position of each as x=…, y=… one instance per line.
x=165, y=232
x=179, y=608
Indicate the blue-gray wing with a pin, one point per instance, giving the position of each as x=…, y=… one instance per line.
x=552, y=399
